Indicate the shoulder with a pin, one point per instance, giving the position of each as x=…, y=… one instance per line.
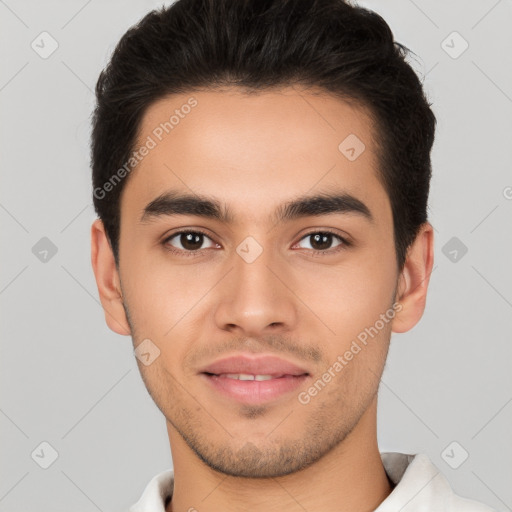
x=158, y=490
x=420, y=486
x=465, y=505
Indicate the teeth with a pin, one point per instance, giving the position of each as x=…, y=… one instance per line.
x=246, y=376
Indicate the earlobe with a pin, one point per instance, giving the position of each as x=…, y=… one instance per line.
x=414, y=280
x=107, y=280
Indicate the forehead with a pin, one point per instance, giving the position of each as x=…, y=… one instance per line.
x=253, y=151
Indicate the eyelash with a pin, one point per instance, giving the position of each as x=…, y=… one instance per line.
x=344, y=243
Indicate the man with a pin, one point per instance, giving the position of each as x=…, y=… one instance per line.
x=261, y=174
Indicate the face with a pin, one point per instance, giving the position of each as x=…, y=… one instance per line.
x=246, y=285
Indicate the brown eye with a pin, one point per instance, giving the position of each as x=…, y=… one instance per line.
x=324, y=241
x=188, y=241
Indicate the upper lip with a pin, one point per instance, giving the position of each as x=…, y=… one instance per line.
x=253, y=365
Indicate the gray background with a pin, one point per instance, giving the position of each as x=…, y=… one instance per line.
x=67, y=380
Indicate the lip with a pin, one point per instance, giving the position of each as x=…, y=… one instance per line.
x=286, y=377
x=256, y=365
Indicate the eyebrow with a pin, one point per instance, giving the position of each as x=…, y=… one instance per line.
x=173, y=203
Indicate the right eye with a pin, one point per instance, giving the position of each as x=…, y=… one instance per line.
x=186, y=241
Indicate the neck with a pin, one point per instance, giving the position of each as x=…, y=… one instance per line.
x=350, y=477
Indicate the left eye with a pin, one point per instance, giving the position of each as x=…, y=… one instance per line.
x=322, y=240
x=189, y=240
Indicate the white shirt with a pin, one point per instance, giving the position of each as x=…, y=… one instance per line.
x=420, y=487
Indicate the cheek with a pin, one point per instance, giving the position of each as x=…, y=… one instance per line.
x=349, y=297
x=163, y=297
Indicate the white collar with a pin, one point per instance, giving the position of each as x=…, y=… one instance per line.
x=419, y=487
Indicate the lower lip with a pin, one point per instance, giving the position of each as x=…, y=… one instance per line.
x=255, y=391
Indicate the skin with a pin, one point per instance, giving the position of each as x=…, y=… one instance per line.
x=254, y=153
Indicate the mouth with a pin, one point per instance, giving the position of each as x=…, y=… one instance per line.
x=253, y=380
x=248, y=376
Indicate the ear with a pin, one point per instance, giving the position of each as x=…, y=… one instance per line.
x=107, y=280
x=414, y=279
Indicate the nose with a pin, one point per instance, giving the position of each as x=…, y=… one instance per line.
x=257, y=296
